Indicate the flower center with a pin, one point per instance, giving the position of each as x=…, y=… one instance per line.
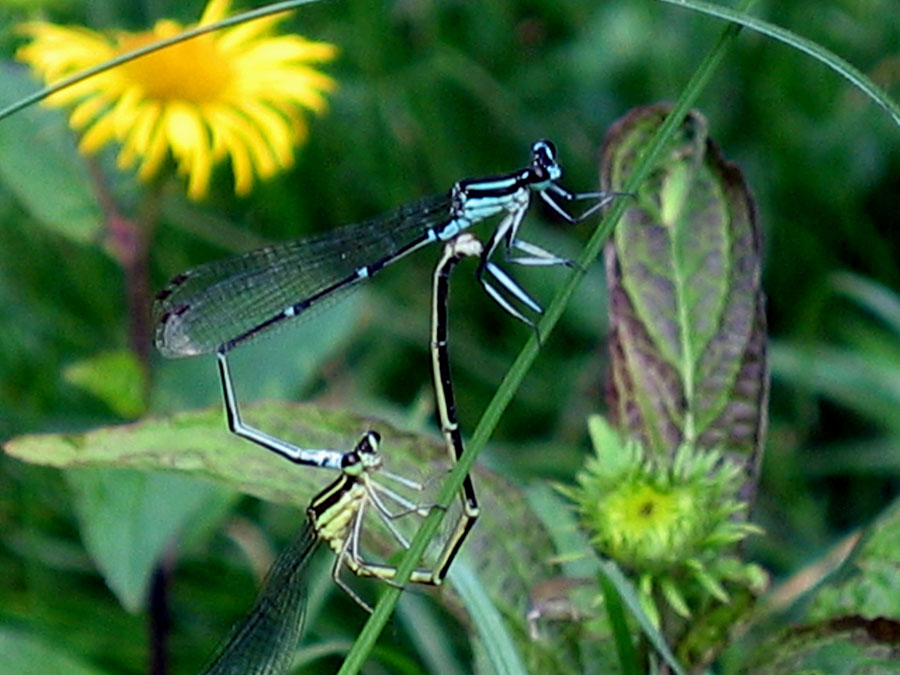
x=194, y=70
x=648, y=509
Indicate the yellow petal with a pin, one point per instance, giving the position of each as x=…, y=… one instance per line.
x=260, y=153
x=190, y=146
x=85, y=111
x=156, y=152
x=289, y=49
x=241, y=165
x=144, y=126
x=275, y=128
x=98, y=135
x=296, y=87
x=215, y=10
x=235, y=39
x=137, y=139
x=126, y=111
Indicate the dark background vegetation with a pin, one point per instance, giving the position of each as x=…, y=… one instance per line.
x=431, y=92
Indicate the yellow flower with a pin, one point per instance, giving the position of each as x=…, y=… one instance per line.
x=238, y=92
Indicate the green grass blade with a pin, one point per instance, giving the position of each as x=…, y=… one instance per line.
x=513, y=379
x=499, y=645
x=613, y=575
x=830, y=59
x=622, y=636
x=429, y=636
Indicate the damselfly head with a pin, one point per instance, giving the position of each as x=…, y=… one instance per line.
x=367, y=449
x=364, y=457
x=543, y=161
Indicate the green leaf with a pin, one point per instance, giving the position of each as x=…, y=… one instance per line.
x=25, y=654
x=674, y=598
x=711, y=584
x=608, y=444
x=572, y=597
x=509, y=547
x=198, y=444
x=573, y=547
x=686, y=306
x=129, y=519
x=850, y=626
x=40, y=164
x=843, y=646
x=868, y=584
x=713, y=626
x=116, y=378
x=513, y=547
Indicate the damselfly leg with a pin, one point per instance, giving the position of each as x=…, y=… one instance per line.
x=347, y=545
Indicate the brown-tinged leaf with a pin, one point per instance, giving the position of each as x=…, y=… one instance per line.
x=849, y=644
x=688, y=340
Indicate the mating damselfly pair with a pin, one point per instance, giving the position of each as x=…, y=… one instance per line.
x=221, y=305
x=264, y=641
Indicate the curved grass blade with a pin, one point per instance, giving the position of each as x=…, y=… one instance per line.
x=830, y=59
x=496, y=640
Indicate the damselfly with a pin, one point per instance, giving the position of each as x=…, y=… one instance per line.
x=263, y=643
x=265, y=640
x=220, y=305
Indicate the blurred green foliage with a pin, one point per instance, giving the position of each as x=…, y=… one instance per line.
x=431, y=92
